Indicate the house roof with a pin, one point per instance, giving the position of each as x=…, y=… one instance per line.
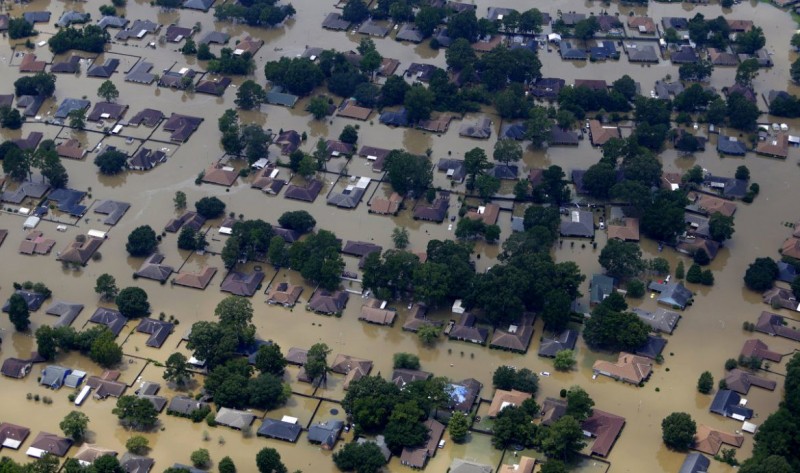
x=372, y=313
x=459, y=465
x=138, y=30
x=69, y=17
x=403, y=376
x=109, y=21
x=89, y=453
x=280, y=429
x=642, y=53
x=36, y=243
x=111, y=318
x=740, y=381
x=185, y=405
x=325, y=302
x=672, y=294
x=71, y=149
x=306, y=193
x=730, y=145
x=12, y=436
x=563, y=341
x=360, y=248
x=325, y=433
x=234, y=418
x=158, y=330
x=709, y=440
x=103, y=70
x=684, y=55
x=727, y=403
x=455, y=168
x=579, y=224
x=34, y=300
x=131, y=463
x=605, y=427
x=106, y=111
x=297, y=356
x=80, y=252
x=642, y=24
x=16, y=368
x=30, y=103
x=30, y=64
x=465, y=329
x=383, y=206
x=790, y=247
x=49, y=443
x=774, y=146
x=67, y=312
x=284, y=293
x=552, y=410
x=417, y=457
x=175, y=33
x=70, y=66
x=628, y=368
x=547, y=87
x=660, y=320
x=773, y=324
x=153, y=268
x=516, y=337
x=464, y=394
x=481, y=129
x=220, y=174
x=409, y=32
x=276, y=96
x=182, y=126
x=148, y=116
x=146, y=159
x=202, y=5
x=756, y=348
x=434, y=212
x=722, y=58
x=652, y=347
x=600, y=134
x=350, y=109
x=334, y=21
x=503, y=399
x=350, y=197
x=440, y=124
x=709, y=204
x=218, y=37
x=213, y=86
x=695, y=463
x=242, y=284
x=189, y=218
x=105, y=387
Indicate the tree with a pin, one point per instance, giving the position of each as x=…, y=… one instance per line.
x=108, y=91
x=508, y=377
x=41, y=84
x=318, y=106
x=406, y=361
x=513, y=426
x=177, y=369
x=537, y=127
x=18, y=312
x=748, y=42
x=460, y=54
x=268, y=460
x=16, y=164
x=429, y=334
x=318, y=259
x=487, y=186
x=74, y=425
x=621, y=259
x=507, y=151
x=226, y=465
x=679, y=270
x=626, y=86
x=19, y=28
x=111, y=162
x=742, y=173
x=278, y=255
x=746, y=72
x=599, y=179
x=189, y=48
x=614, y=330
x=141, y=241
x=135, y=412
x=106, y=287
x=564, y=439
x=761, y=274
x=678, y=431
x=706, y=383
x=720, y=227
x=204, y=52
x=269, y=359
x=355, y=11
x=132, y=302
x=316, y=365
x=554, y=466
x=564, y=360
x=458, y=426
x=363, y=457
x=137, y=445
x=770, y=464
x=250, y=95
x=418, y=101
x=210, y=207
x=10, y=118
x=579, y=404
x=236, y=314
x=349, y=135
x=104, y=350
x=393, y=91
x=408, y=173
x=475, y=163
x=586, y=29
x=200, y=458
x=77, y=119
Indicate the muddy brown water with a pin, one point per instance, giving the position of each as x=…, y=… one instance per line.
x=709, y=332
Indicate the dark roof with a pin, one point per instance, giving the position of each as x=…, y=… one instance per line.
x=504, y=171
x=30, y=103
x=571, y=52
x=202, y=5
x=563, y=341
x=214, y=37
x=68, y=201
x=136, y=464
x=106, y=111
x=559, y=136
x=516, y=337
x=278, y=429
x=212, y=87
x=289, y=236
x=189, y=218
x=409, y=32
x=185, y=405
x=513, y=131
x=307, y=193
x=466, y=330
x=175, y=33
x=434, y=212
x=276, y=96
x=420, y=72
x=26, y=189
x=103, y=70
x=135, y=30
x=34, y=300
x=605, y=427
x=182, y=126
x=360, y=248
x=580, y=223
x=652, y=348
x=36, y=16
x=604, y=50
x=69, y=105
x=695, y=463
x=49, y=443
x=16, y=368
x=464, y=394
x=112, y=22
x=146, y=159
x=673, y=294
x=70, y=17
x=148, y=116
x=455, y=168
x=325, y=433
x=372, y=28
x=67, y=312
x=394, y=118
x=334, y=21
x=774, y=324
x=403, y=376
x=325, y=302
x=141, y=74
x=114, y=209
x=70, y=66
x=547, y=87
x=685, y=55
x=349, y=198
x=481, y=129
x=642, y=53
x=660, y=320
x=111, y=318
x=726, y=403
x=157, y=329
x=242, y=284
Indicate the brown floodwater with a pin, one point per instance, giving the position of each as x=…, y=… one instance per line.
x=709, y=333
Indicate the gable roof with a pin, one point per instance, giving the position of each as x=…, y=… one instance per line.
x=185, y=405
x=306, y=193
x=481, y=129
x=740, y=381
x=756, y=348
x=516, y=337
x=709, y=440
x=660, y=320
x=67, y=312
x=605, y=427
x=371, y=312
x=629, y=368
x=213, y=86
x=434, y=212
x=403, y=376
x=131, y=463
x=730, y=145
x=16, y=368
x=150, y=117
x=773, y=324
x=334, y=21
x=695, y=463
x=325, y=433
x=34, y=300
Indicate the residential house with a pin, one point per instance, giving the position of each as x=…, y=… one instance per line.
x=559, y=137
x=248, y=45
x=466, y=330
x=176, y=34
x=373, y=312
x=79, y=252
x=705, y=204
x=107, y=385
x=579, y=224
x=36, y=243
x=297, y=356
x=30, y=143
x=605, y=428
x=570, y=51
x=326, y=434
x=335, y=22
x=464, y=394
x=776, y=325
x=111, y=318
x=184, y=405
x=652, y=347
x=234, y=419
x=284, y=294
x=189, y=219
x=781, y=298
x=434, y=212
x=394, y=117
x=353, y=368
x=459, y=465
x=217, y=37
x=565, y=340
x=730, y=145
x=66, y=312
x=350, y=109
x=600, y=287
x=695, y=463
x=403, y=376
x=305, y=193
x=158, y=330
x=276, y=96
x=131, y=463
x=684, y=55
x=409, y=32
x=740, y=381
x=181, y=126
x=70, y=105
x=454, y=168
x=29, y=63
x=672, y=294
x=242, y=284
x=30, y=104
x=440, y=124
x=386, y=206
x=728, y=404
x=599, y=134
x=722, y=58
x=70, y=66
x=372, y=28
x=774, y=147
x=709, y=440
x=350, y=197
x=418, y=457
x=104, y=70
x=12, y=436
x=516, y=337
x=200, y=5
x=642, y=24
x=146, y=159
x=16, y=368
x=153, y=268
x=755, y=348
x=289, y=141
x=46, y=443
x=198, y=280
x=138, y=30
x=642, y=53
x=53, y=376
x=626, y=230
x=220, y=174
x=546, y=88
x=503, y=399
x=660, y=320
x=603, y=50
x=790, y=247
x=286, y=429
x=327, y=303
x=571, y=19
x=148, y=116
x=71, y=149
x=628, y=368
x=110, y=21
x=481, y=130
x=552, y=410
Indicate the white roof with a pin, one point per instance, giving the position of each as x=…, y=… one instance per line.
x=289, y=419
x=225, y=230
x=35, y=452
x=554, y=37
x=260, y=164
x=12, y=443
x=238, y=51
x=749, y=427
x=458, y=308
x=31, y=222
x=96, y=234
x=24, y=210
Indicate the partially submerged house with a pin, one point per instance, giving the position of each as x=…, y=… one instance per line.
x=464, y=394
x=418, y=457
x=776, y=325
x=286, y=429
x=234, y=418
x=16, y=368
x=672, y=294
x=154, y=268
x=325, y=434
x=740, y=381
x=550, y=346
x=353, y=368
x=374, y=312
x=328, y=303
x=305, y=193
x=434, y=212
x=755, y=348
x=111, y=318
x=12, y=436
x=466, y=329
x=579, y=224
x=284, y=294
x=181, y=127
x=628, y=368
x=600, y=134
x=515, y=337
x=660, y=320
x=158, y=330
x=503, y=399
x=728, y=404
x=242, y=284
x=46, y=443
x=709, y=440
x=66, y=312
x=403, y=376
x=196, y=280
x=605, y=428
x=481, y=129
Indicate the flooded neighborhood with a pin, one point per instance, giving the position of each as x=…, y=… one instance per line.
x=235, y=187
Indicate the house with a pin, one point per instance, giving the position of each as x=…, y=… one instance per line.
x=388, y=67
x=306, y=193
x=774, y=147
x=248, y=45
x=297, y=356
x=402, y=376
x=353, y=368
x=628, y=230
x=69, y=105
x=722, y=58
x=89, y=453
x=652, y=347
x=242, y=284
x=464, y=394
x=386, y=206
x=335, y=22
x=66, y=312
x=380, y=442
x=131, y=463
x=284, y=294
x=276, y=96
x=53, y=376
x=110, y=21
x=234, y=419
x=487, y=213
x=12, y=436
x=643, y=24
x=111, y=318
x=434, y=212
x=326, y=434
x=286, y=429
x=642, y=53
x=730, y=188
x=220, y=174
x=790, y=247
x=684, y=55
x=666, y=91
x=603, y=50
x=600, y=134
x=148, y=116
x=409, y=32
x=454, y=168
x=106, y=385
x=189, y=219
x=672, y=294
x=600, y=287
x=459, y=465
x=605, y=428
x=30, y=64
x=417, y=457
x=420, y=72
x=745, y=91
x=71, y=149
x=16, y=368
x=176, y=34
x=327, y=303
x=360, y=248
x=503, y=399
x=709, y=205
x=184, y=405
x=350, y=197
x=570, y=52
x=740, y=381
x=775, y=325
x=70, y=66
x=33, y=300
x=153, y=268
x=571, y=19
x=46, y=443
x=372, y=28
x=217, y=37
x=138, y=30
x=289, y=141
x=516, y=337
x=558, y=136
x=36, y=243
x=146, y=159
x=289, y=236
x=780, y=297
x=579, y=224
x=200, y=5
x=730, y=145
x=628, y=368
x=350, y=109
x=104, y=70
x=439, y=124
x=755, y=348
x=507, y=172
x=565, y=340
x=158, y=330
x=148, y=391
x=181, y=126
x=179, y=80
x=553, y=410
x=79, y=252
x=374, y=313
x=30, y=104
x=709, y=440
x=394, y=118
x=198, y=280
x=660, y=320
x=727, y=403
x=70, y=17
x=739, y=26
x=695, y=463
x=466, y=330
x=417, y=318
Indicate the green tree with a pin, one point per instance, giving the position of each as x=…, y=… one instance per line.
x=614, y=330
x=176, y=369
x=513, y=426
x=393, y=91
x=475, y=163
x=250, y=95
x=179, y=200
x=621, y=259
x=706, y=383
x=10, y=118
x=108, y=91
x=553, y=466
x=564, y=360
x=111, y=162
x=18, y=312
x=41, y=83
x=564, y=439
x=418, y=101
x=74, y=425
x=408, y=173
x=210, y=207
x=349, y=135
x=278, y=255
x=268, y=460
x=137, y=445
x=748, y=42
x=135, y=413
x=355, y=11
x=794, y=70
x=318, y=106
x=200, y=458
x=460, y=54
x=189, y=48
x=579, y=405
x=318, y=259
x=226, y=465
x=316, y=365
x=678, y=431
x=761, y=274
x=487, y=186
x=400, y=237
x=429, y=334
x=537, y=127
x=269, y=359
x=458, y=426
x=359, y=457
x=507, y=151
x=406, y=361
x=599, y=179
x=77, y=119
x=679, y=270
x=20, y=28
x=746, y=72
x=236, y=313
x=720, y=227
x=104, y=350
x=132, y=302
x=586, y=29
